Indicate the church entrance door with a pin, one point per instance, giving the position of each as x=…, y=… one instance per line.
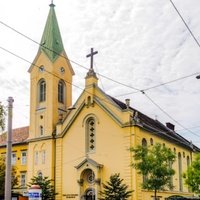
x=90, y=194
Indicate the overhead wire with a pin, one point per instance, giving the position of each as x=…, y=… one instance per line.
x=190, y=31
x=65, y=56
x=102, y=99
x=170, y=115
x=138, y=90
x=161, y=84
x=108, y=78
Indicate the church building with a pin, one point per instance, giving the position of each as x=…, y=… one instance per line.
x=80, y=146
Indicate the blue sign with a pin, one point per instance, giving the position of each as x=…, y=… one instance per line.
x=34, y=194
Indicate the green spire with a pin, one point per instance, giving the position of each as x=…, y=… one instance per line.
x=51, y=42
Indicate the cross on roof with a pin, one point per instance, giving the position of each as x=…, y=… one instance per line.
x=91, y=55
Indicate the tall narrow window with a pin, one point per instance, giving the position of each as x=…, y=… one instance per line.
x=41, y=130
x=61, y=90
x=188, y=161
x=23, y=179
x=13, y=158
x=180, y=172
x=144, y=144
x=36, y=158
x=43, y=156
x=23, y=157
x=171, y=178
x=42, y=90
x=90, y=135
x=188, y=165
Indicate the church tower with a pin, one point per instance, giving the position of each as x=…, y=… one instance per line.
x=50, y=94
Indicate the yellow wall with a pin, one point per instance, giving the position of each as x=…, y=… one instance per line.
x=140, y=134
x=112, y=143
x=21, y=168
x=113, y=139
x=46, y=166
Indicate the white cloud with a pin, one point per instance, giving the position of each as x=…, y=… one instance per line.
x=141, y=43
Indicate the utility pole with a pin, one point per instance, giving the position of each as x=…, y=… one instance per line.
x=9, y=151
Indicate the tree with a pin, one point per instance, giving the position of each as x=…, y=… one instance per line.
x=154, y=163
x=192, y=175
x=48, y=191
x=114, y=189
x=3, y=174
x=2, y=117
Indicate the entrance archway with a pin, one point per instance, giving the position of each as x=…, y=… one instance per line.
x=90, y=194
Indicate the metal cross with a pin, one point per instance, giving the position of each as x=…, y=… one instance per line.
x=91, y=55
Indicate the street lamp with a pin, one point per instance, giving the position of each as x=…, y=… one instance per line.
x=198, y=77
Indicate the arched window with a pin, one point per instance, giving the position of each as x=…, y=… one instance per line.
x=180, y=172
x=42, y=90
x=151, y=141
x=188, y=161
x=188, y=165
x=90, y=135
x=40, y=174
x=36, y=157
x=144, y=142
x=61, y=90
x=171, y=167
x=43, y=154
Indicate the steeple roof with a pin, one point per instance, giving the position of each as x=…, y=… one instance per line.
x=51, y=42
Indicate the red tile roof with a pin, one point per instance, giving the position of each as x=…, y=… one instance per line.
x=19, y=135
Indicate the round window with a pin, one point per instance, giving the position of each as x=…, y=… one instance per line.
x=90, y=177
x=62, y=70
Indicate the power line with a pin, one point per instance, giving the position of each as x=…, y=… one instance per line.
x=161, y=84
x=54, y=75
x=88, y=92
x=195, y=39
x=193, y=127
x=65, y=56
x=170, y=115
x=138, y=90
x=120, y=83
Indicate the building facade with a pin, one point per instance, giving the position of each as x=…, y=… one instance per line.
x=81, y=146
x=19, y=156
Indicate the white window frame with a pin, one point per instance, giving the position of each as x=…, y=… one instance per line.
x=23, y=179
x=23, y=157
x=13, y=158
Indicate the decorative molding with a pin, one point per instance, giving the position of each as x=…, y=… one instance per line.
x=80, y=182
x=97, y=181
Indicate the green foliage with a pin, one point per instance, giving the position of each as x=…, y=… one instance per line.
x=154, y=163
x=3, y=174
x=48, y=191
x=2, y=117
x=192, y=175
x=114, y=189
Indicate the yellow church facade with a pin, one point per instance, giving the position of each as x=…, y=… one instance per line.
x=80, y=146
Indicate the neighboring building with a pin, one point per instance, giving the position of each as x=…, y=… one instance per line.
x=81, y=146
x=19, y=154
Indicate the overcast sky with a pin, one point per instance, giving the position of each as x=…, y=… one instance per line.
x=141, y=43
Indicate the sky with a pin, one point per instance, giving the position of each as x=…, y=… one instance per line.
x=140, y=44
